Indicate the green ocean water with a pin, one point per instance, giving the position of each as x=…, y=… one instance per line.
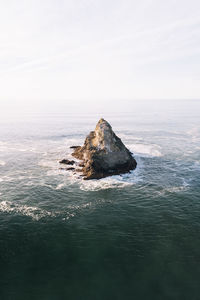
x=135, y=236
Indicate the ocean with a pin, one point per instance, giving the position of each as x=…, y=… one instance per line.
x=135, y=236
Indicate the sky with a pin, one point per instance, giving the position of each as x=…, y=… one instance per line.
x=67, y=51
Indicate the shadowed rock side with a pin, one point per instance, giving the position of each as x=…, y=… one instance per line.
x=103, y=154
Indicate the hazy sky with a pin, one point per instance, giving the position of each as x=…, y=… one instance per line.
x=63, y=50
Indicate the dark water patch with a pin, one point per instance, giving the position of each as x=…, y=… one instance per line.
x=125, y=253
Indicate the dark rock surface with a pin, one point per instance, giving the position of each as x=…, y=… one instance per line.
x=68, y=169
x=103, y=154
x=67, y=162
x=74, y=147
x=71, y=169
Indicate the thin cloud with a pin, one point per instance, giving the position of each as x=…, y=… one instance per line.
x=112, y=45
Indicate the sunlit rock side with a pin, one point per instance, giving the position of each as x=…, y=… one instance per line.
x=103, y=154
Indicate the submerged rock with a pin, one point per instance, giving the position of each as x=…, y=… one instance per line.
x=68, y=169
x=67, y=162
x=74, y=147
x=103, y=153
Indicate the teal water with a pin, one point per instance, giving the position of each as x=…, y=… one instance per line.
x=135, y=236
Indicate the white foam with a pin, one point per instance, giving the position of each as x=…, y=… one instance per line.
x=69, y=215
x=2, y=163
x=112, y=182
x=103, y=184
x=117, y=181
x=52, y=164
x=77, y=207
x=70, y=177
x=16, y=177
x=60, y=186
x=127, y=137
x=6, y=178
x=176, y=189
x=23, y=147
x=151, y=150
x=34, y=212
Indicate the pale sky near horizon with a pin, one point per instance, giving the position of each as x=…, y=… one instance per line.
x=72, y=50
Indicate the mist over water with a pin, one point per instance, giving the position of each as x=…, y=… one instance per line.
x=121, y=237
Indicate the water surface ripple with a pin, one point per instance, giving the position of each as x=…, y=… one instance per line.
x=134, y=236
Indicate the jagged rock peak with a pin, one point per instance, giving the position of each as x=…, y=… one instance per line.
x=103, y=153
x=103, y=137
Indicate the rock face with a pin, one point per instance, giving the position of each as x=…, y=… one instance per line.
x=103, y=153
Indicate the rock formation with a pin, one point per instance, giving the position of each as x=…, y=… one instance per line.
x=103, y=154
x=67, y=162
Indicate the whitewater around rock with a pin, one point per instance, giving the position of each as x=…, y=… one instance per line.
x=103, y=154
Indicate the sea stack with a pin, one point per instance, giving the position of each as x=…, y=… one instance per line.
x=103, y=154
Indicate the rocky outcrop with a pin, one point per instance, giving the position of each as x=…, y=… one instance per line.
x=74, y=147
x=67, y=162
x=103, y=154
x=68, y=169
